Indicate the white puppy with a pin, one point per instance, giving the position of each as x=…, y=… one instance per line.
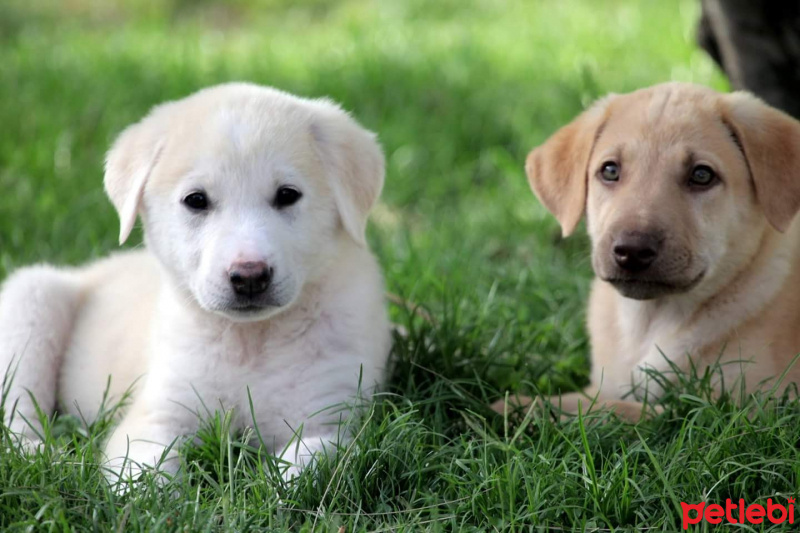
x=256, y=281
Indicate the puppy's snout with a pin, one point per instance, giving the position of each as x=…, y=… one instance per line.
x=636, y=251
x=250, y=278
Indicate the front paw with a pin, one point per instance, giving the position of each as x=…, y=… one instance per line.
x=291, y=472
x=123, y=473
x=512, y=404
x=301, y=455
x=26, y=445
x=126, y=464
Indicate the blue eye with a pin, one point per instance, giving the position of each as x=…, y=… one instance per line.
x=610, y=171
x=702, y=176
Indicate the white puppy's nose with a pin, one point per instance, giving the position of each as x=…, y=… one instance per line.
x=250, y=278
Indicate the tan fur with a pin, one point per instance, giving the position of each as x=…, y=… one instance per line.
x=726, y=284
x=566, y=158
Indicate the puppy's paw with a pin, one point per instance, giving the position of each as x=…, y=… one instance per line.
x=571, y=404
x=31, y=446
x=512, y=404
x=292, y=472
x=124, y=476
x=25, y=443
x=121, y=470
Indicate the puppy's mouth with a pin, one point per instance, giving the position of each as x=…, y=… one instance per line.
x=248, y=310
x=248, y=306
x=643, y=288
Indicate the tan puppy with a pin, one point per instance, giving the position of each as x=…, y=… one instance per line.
x=690, y=197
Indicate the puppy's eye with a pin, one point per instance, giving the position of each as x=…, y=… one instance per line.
x=196, y=201
x=610, y=171
x=702, y=176
x=286, y=196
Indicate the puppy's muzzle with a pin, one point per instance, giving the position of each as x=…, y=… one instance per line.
x=250, y=278
x=635, y=251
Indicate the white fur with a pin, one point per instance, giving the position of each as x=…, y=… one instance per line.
x=163, y=320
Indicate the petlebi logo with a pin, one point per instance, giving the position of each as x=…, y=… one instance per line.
x=738, y=513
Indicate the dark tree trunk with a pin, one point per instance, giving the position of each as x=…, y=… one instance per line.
x=757, y=44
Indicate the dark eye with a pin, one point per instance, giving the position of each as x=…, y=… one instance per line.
x=610, y=171
x=702, y=176
x=196, y=201
x=287, y=196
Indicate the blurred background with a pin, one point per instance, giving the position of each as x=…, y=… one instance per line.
x=458, y=91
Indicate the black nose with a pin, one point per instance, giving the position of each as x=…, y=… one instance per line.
x=250, y=278
x=636, y=251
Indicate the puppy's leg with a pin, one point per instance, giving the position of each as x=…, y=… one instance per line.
x=588, y=401
x=302, y=452
x=584, y=402
x=148, y=436
x=37, y=311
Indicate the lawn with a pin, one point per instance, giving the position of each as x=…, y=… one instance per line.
x=459, y=91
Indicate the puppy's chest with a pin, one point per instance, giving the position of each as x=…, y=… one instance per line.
x=253, y=351
x=652, y=338
x=282, y=378
x=236, y=357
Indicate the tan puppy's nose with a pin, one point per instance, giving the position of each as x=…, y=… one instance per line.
x=250, y=278
x=635, y=251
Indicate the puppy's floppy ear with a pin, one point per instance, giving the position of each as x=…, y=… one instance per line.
x=557, y=169
x=129, y=163
x=770, y=141
x=354, y=162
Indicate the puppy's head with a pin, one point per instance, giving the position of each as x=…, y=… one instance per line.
x=680, y=184
x=246, y=193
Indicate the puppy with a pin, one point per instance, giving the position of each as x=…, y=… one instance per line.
x=690, y=197
x=256, y=283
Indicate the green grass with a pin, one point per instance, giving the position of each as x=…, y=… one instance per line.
x=459, y=91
